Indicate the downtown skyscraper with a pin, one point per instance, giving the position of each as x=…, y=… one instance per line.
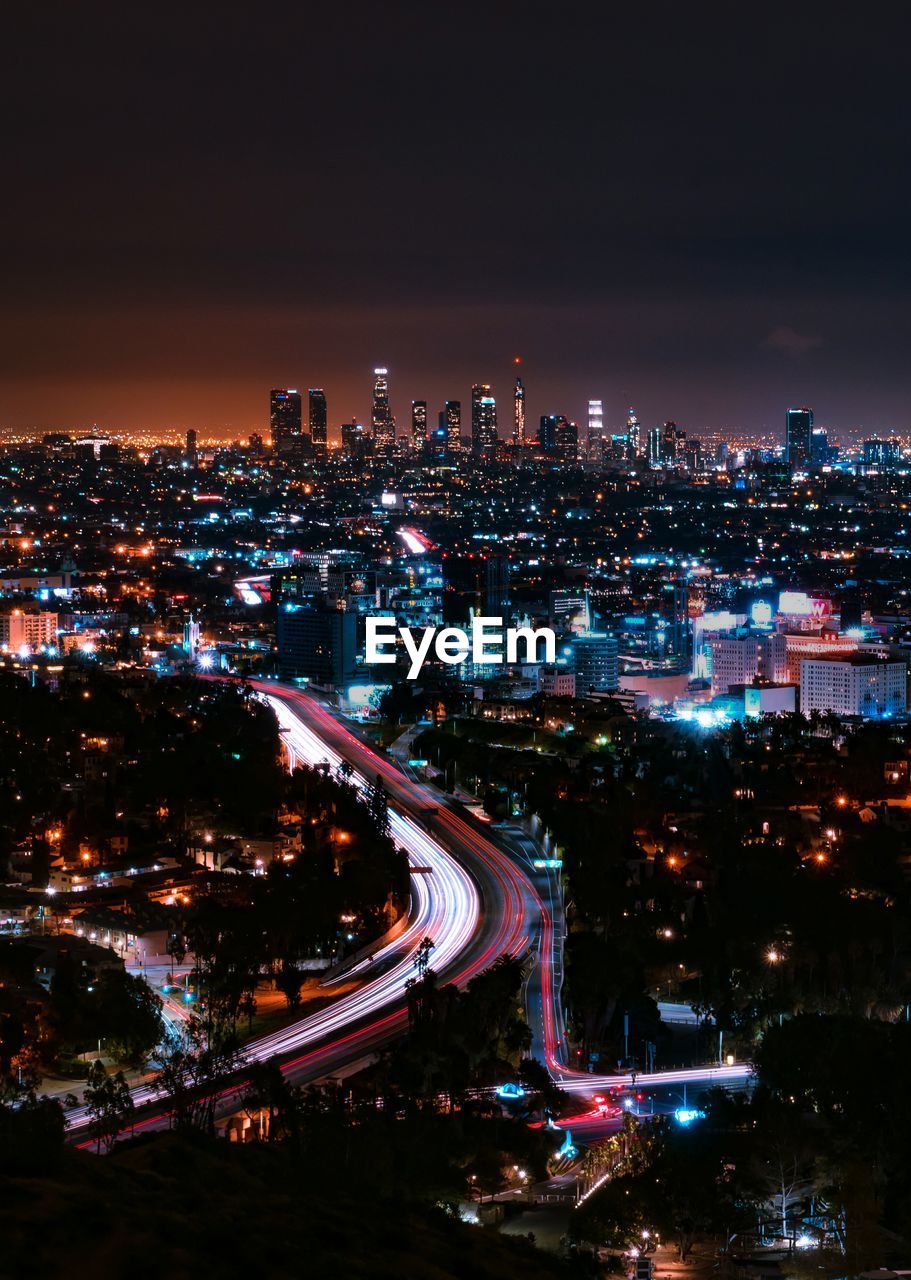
x=418, y=423
x=285, y=419
x=483, y=420
x=518, y=427
x=595, y=440
x=799, y=431
x=451, y=419
x=318, y=418
x=633, y=436
x=383, y=422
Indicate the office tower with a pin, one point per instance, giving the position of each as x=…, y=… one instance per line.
x=483, y=420
x=567, y=438
x=192, y=454
x=595, y=431
x=451, y=418
x=318, y=418
x=317, y=642
x=669, y=435
x=739, y=660
x=655, y=436
x=819, y=447
x=884, y=454
x=633, y=436
x=595, y=661
x=496, y=587
x=547, y=433
x=692, y=454
x=256, y=444
x=285, y=419
x=354, y=440
x=383, y=421
x=799, y=429
x=518, y=429
x=680, y=627
x=418, y=423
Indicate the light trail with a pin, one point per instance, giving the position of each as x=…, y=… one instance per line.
x=446, y=906
x=520, y=901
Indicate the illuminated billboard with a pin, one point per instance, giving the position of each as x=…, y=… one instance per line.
x=799, y=605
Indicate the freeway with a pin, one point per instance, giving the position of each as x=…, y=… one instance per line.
x=446, y=907
x=511, y=887
x=474, y=899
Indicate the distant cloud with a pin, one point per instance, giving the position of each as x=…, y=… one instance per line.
x=790, y=342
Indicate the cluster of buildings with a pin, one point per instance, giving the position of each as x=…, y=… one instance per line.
x=699, y=577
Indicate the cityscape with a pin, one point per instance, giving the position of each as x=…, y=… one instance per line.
x=455, y=742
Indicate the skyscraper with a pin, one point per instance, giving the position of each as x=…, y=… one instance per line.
x=496, y=587
x=595, y=440
x=655, y=436
x=799, y=431
x=383, y=421
x=192, y=454
x=418, y=423
x=567, y=438
x=669, y=438
x=318, y=418
x=354, y=440
x=518, y=429
x=452, y=419
x=547, y=432
x=819, y=447
x=285, y=419
x=483, y=420
x=633, y=436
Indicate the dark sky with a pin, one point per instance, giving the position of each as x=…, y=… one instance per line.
x=702, y=210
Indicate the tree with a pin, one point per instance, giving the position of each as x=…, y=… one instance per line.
x=126, y=1014
x=109, y=1104
x=193, y=1073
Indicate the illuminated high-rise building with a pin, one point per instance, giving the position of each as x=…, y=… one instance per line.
x=655, y=437
x=518, y=427
x=633, y=436
x=547, y=432
x=354, y=440
x=819, y=447
x=799, y=430
x=451, y=419
x=567, y=438
x=192, y=453
x=383, y=421
x=285, y=419
x=418, y=423
x=669, y=438
x=483, y=420
x=595, y=441
x=318, y=418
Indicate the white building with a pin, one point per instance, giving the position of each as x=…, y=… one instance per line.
x=741, y=660
x=858, y=685
x=27, y=630
x=769, y=700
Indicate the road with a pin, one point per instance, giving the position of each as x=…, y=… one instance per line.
x=473, y=898
x=510, y=887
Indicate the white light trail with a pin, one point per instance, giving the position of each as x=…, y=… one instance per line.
x=445, y=908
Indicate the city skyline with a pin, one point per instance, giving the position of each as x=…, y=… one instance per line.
x=709, y=237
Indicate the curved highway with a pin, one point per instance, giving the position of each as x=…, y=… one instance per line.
x=474, y=900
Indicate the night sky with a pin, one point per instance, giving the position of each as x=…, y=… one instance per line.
x=700, y=210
